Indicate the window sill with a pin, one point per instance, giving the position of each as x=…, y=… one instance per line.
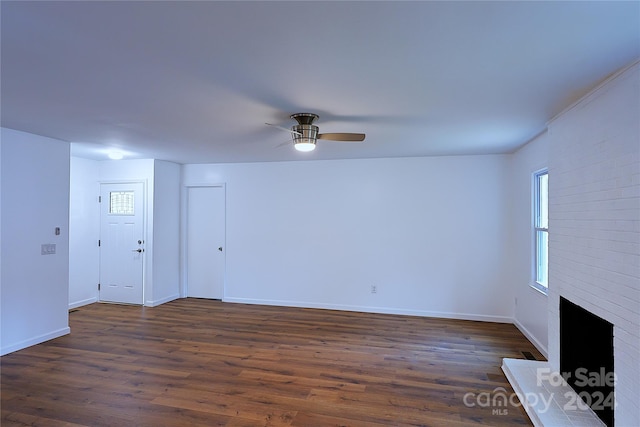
x=538, y=287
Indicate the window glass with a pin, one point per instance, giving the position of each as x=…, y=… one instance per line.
x=541, y=230
x=543, y=200
x=121, y=203
x=542, y=258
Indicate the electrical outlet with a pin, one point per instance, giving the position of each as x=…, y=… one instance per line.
x=374, y=289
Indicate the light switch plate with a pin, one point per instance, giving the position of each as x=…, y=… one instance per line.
x=48, y=249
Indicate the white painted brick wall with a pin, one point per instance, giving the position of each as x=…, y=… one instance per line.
x=594, y=223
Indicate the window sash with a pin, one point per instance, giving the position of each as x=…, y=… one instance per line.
x=542, y=257
x=542, y=199
x=541, y=230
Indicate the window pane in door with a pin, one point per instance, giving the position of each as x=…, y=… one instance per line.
x=121, y=203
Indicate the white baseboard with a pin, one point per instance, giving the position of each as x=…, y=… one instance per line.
x=542, y=349
x=367, y=309
x=33, y=341
x=156, y=303
x=83, y=302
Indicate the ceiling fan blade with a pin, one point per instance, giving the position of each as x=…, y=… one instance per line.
x=284, y=128
x=282, y=144
x=344, y=137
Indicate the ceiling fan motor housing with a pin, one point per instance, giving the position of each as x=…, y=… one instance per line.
x=305, y=133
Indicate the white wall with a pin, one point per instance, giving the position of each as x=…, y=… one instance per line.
x=35, y=200
x=428, y=232
x=531, y=313
x=84, y=232
x=594, y=224
x=166, y=233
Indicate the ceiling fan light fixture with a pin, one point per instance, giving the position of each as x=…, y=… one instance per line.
x=304, y=145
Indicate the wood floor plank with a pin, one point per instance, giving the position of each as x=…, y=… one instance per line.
x=196, y=362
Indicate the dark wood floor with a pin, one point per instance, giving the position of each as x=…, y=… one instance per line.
x=200, y=362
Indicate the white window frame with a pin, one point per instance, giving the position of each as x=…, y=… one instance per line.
x=540, y=279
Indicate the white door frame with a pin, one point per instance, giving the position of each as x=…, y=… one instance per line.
x=183, y=233
x=144, y=229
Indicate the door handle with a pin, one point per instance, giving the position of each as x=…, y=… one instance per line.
x=137, y=250
x=220, y=248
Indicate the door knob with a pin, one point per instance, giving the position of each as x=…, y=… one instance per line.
x=220, y=248
x=137, y=250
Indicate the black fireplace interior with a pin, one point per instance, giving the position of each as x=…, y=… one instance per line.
x=586, y=354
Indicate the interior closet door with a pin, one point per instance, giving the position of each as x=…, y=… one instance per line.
x=205, y=242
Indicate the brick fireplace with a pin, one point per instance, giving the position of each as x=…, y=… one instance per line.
x=594, y=248
x=594, y=211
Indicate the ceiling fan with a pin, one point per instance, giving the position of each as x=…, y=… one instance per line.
x=305, y=133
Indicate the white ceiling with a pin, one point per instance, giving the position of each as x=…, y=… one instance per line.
x=194, y=82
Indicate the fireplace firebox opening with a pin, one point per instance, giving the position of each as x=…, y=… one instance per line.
x=586, y=358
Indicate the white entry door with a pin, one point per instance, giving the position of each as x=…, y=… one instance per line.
x=121, y=242
x=205, y=242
